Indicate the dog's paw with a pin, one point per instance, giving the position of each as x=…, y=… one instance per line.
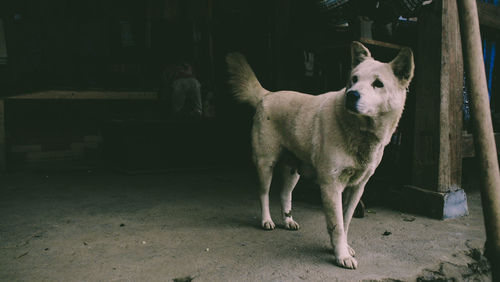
x=351, y=251
x=292, y=225
x=268, y=225
x=347, y=262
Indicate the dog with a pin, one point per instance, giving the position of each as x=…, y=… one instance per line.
x=336, y=137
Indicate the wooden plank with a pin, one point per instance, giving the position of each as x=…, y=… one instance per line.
x=372, y=42
x=26, y=148
x=55, y=155
x=88, y=95
x=489, y=14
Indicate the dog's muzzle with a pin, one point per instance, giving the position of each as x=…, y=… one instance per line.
x=351, y=101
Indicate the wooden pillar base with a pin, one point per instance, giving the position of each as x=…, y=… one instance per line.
x=440, y=205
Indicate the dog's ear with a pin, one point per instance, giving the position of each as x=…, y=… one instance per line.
x=359, y=53
x=403, y=66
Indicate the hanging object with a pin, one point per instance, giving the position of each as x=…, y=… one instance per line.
x=381, y=11
x=336, y=11
x=408, y=8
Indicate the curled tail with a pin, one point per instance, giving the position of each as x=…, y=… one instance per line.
x=242, y=79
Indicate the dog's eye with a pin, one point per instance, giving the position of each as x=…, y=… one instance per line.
x=354, y=79
x=377, y=84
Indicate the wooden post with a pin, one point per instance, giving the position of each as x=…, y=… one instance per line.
x=3, y=148
x=437, y=155
x=484, y=141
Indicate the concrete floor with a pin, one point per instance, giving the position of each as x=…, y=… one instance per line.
x=104, y=226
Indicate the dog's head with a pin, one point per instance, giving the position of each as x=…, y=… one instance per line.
x=375, y=88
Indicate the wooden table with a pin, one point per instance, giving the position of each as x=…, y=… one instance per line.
x=65, y=95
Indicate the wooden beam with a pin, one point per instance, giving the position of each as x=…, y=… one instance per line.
x=377, y=43
x=88, y=95
x=489, y=14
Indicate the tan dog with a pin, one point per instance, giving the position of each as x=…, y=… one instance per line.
x=339, y=137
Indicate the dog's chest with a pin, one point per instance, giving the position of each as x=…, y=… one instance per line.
x=366, y=153
x=365, y=162
x=353, y=176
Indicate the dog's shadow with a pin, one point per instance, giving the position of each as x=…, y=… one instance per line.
x=248, y=222
x=312, y=252
x=240, y=222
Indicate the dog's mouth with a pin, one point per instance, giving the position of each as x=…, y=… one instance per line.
x=352, y=107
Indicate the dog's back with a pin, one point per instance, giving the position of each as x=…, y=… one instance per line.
x=292, y=112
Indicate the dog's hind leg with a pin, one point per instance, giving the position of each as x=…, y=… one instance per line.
x=265, y=168
x=290, y=179
x=266, y=152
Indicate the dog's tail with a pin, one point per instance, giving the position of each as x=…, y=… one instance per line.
x=243, y=81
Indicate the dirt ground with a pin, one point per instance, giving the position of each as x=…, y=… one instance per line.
x=107, y=226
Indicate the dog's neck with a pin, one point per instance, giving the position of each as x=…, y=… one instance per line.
x=373, y=131
x=371, y=134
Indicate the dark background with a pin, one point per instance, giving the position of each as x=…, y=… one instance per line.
x=112, y=45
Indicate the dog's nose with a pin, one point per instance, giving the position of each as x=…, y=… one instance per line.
x=351, y=100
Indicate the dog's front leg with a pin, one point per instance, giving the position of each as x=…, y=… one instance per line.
x=331, y=195
x=351, y=197
x=350, y=200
